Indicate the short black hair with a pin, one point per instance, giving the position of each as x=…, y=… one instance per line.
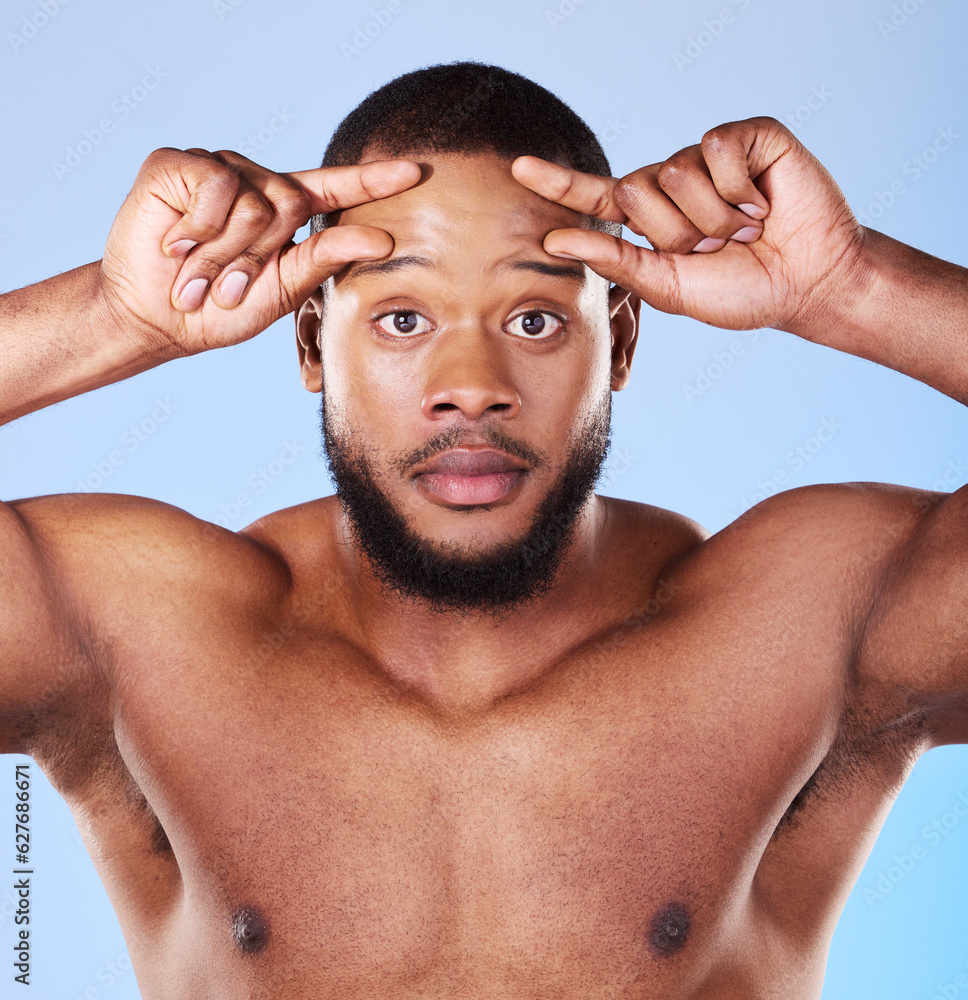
x=466, y=107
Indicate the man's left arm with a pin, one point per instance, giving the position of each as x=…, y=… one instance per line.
x=749, y=230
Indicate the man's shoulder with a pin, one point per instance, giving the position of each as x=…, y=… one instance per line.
x=823, y=525
x=832, y=509
x=855, y=525
x=112, y=541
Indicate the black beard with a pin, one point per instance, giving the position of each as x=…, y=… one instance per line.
x=445, y=578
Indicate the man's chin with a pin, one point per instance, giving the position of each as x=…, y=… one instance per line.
x=490, y=570
x=482, y=560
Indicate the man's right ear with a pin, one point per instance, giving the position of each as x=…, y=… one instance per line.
x=308, y=317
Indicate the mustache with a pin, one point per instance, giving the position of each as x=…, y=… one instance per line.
x=454, y=437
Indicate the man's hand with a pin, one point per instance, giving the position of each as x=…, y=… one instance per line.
x=748, y=228
x=201, y=252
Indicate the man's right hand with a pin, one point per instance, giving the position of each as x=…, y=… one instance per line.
x=201, y=252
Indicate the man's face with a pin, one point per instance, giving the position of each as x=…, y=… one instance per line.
x=466, y=388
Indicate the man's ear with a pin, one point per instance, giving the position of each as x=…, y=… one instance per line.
x=623, y=309
x=308, y=317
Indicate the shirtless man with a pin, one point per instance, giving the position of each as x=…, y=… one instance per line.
x=466, y=728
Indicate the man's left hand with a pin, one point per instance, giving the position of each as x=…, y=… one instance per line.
x=748, y=229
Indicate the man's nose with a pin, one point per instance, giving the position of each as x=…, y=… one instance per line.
x=469, y=371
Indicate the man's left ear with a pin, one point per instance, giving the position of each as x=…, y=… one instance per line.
x=623, y=309
x=307, y=341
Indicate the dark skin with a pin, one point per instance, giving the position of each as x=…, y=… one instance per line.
x=660, y=779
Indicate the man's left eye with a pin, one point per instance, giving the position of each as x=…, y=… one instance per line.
x=535, y=325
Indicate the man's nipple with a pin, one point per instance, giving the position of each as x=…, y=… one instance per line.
x=670, y=928
x=249, y=929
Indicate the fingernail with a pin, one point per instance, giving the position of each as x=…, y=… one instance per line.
x=192, y=294
x=753, y=211
x=709, y=244
x=233, y=287
x=747, y=234
x=561, y=253
x=180, y=247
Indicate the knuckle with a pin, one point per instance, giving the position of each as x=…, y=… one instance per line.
x=163, y=153
x=217, y=186
x=251, y=261
x=716, y=138
x=202, y=229
x=627, y=254
x=769, y=122
x=564, y=186
x=295, y=206
x=204, y=266
x=160, y=160
x=671, y=174
x=627, y=192
x=253, y=213
x=682, y=240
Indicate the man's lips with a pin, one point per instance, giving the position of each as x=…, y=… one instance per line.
x=471, y=476
x=471, y=462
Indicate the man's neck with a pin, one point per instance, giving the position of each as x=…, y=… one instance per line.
x=469, y=660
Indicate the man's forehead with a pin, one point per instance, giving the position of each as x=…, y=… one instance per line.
x=457, y=191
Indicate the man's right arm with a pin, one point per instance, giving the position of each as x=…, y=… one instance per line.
x=200, y=256
x=58, y=339
x=163, y=290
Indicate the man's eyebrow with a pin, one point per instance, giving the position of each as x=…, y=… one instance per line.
x=363, y=267
x=574, y=272
x=359, y=269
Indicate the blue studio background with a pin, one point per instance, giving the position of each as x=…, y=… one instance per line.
x=875, y=89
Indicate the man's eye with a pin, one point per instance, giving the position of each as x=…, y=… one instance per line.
x=535, y=325
x=403, y=324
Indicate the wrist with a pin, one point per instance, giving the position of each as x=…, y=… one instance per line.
x=124, y=337
x=840, y=310
x=901, y=308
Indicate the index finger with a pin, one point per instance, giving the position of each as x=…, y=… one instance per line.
x=333, y=188
x=590, y=194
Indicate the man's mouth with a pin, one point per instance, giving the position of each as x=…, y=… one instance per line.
x=470, y=476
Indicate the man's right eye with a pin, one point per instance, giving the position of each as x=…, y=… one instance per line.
x=403, y=324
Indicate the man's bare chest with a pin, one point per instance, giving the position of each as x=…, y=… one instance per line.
x=608, y=816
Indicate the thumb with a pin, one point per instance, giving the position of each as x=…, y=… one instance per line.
x=305, y=266
x=648, y=274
